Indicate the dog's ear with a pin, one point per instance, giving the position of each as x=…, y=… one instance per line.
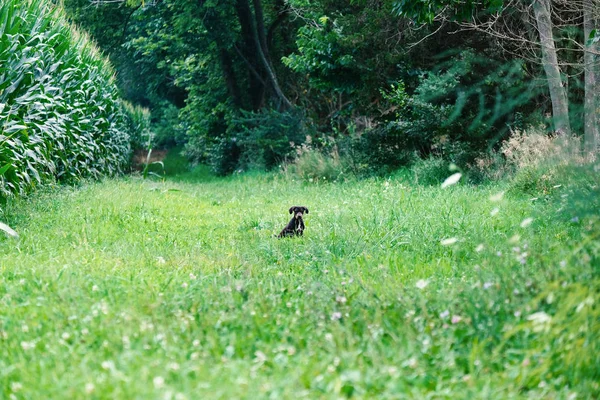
x=305, y=209
x=291, y=210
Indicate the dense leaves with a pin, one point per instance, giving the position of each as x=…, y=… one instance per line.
x=60, y=113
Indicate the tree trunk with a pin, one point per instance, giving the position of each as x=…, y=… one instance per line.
x=558, y=94
x=229, y=76
x=591, y=102
x=263, y=54
x=251, y=54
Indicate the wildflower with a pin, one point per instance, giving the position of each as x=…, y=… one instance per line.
x=341, y=299
x=196, y=343
x=336, y=315
x=161, y=260
x=260, y=356
x=526, y=222
x=445, y=314
x=479, y=248
x=158, y=381
x=95, y=288
x=66, y=336
x=107, y=365
x=451, y=180
x=487, y=285
x=494, y=211
x=173, y=366
x=456, y=319
x=497, y=197
x=540, y=320
x=16, y=386
x=89, y=387
x=27, y=345
x=421, y=284
x=412, y=362
x=449, y=241
x=192, y=276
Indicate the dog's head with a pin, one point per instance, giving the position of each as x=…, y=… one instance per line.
x=298, y=211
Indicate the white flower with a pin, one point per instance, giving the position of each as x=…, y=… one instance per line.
x=494, y=211
x=479, y=248
x=89, y=387
x=8, y=230
x=526, y=222
x=487, y=285
x=497, y=197
x=456, y=319
x=158, y=381
x=16, y=386
x=449, y=241
x=336, y=315
x=27, y=345
x=445, y=314
x=341, y=299
x=540, y=320
x=66, y=335
x=421, y=284
x=260, y=356
x=451, y=180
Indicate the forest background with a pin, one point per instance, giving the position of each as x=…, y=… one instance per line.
x=357, y=88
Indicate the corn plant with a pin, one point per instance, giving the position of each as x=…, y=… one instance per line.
x=61, y=118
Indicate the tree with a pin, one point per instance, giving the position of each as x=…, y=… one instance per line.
x=591, y=25
x=509, y=20
x=558, y=94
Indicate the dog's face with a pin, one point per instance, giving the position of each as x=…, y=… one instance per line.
x=298, y=211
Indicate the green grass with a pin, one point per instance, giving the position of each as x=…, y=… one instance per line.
x=134, y=289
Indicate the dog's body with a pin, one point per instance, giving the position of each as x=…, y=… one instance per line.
x=296, y=225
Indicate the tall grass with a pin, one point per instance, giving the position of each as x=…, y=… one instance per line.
x=136, y=289
x=60, y=113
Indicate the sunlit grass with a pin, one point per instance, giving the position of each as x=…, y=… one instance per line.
x=143, y=289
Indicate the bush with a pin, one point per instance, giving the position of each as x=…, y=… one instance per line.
x=313, y=165
x=536, y=159
x=258, y=140
x=430, y=171
x=377, y=151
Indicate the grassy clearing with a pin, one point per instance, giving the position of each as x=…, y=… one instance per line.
x=138, y=289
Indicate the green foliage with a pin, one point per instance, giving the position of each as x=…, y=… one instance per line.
x=425, y=11
x=431, y=171
x=60, y=114
x=324, y=57
x=138, y=119
x=314, y=166
x=256, y=140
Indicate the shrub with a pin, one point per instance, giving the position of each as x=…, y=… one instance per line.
x=314, y=165
x=536, y=158
x=430, y=171
x=259, y=140
x=376, y=151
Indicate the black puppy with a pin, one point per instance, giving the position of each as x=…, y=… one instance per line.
x=296, y=224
